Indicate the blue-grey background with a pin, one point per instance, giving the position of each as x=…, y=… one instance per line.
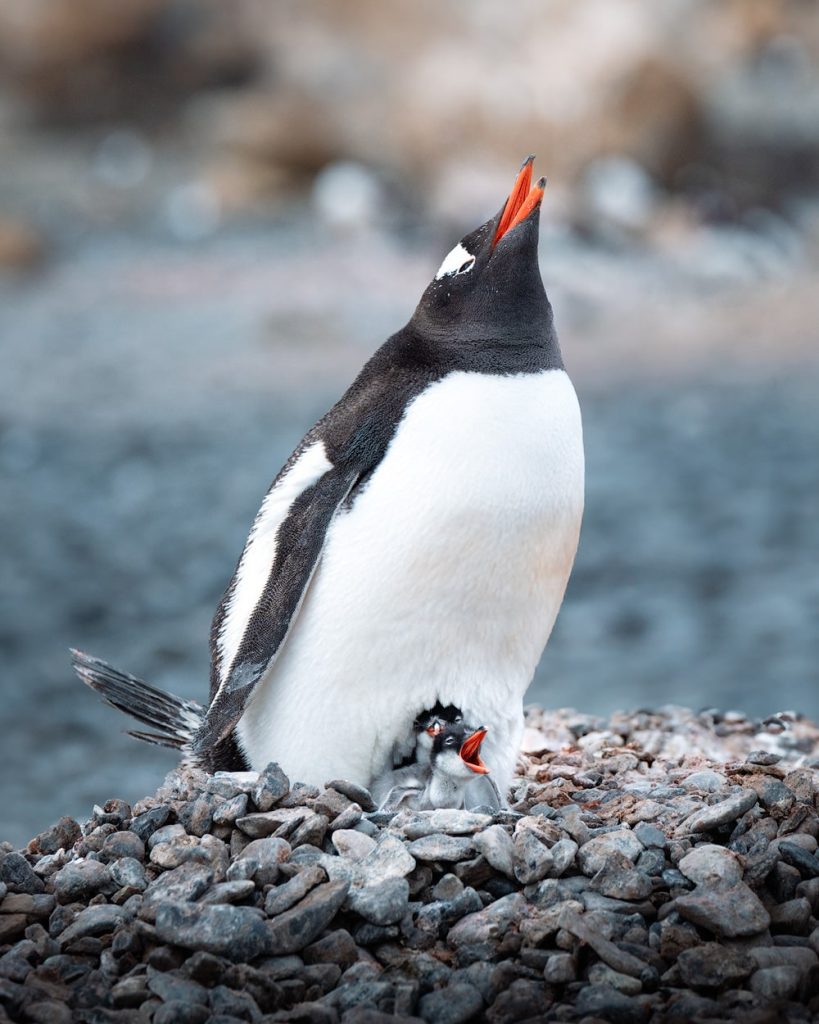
x=209, y=221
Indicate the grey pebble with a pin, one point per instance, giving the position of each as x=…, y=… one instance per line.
x=792, y=916
x=231, y=784
x=711, y=965
x=166, y=834
x=532, y=859
x=592, y=855
x=559, y=969
x=441, y=847
x=348, y=818
x=488, y=924
x=805, y=862
x=122, y=844
x=380, y=903
x=288, y=894
x=296, y=928
x=229, y=892
x=169, y=987
x=272, y=786
x=145, y=824
x=266, y=823
x=619, y=879
x=352, y=844
x=709, y=864
x=497, y=847
x=238, y=933
x=650, y=836
x=226, y=813
x=455, y=1004
x=358, y=794
x=775, y=983
x=176, y=1011
x=729, y=912
x=81, y=879
x=606, y=1002
x=93, y=921
x=763, y=757
x=183, y=884
x=336, y=947
x=18, y=876
x=260, y=860
x=718, y=814
x=129, y=872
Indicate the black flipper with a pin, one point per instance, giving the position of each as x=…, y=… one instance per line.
x=301, y=539
x=176, y=721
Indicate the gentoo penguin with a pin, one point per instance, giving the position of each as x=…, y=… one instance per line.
x=416, y=545
x=454, y=761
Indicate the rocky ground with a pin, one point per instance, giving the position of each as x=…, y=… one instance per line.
x=652, y=867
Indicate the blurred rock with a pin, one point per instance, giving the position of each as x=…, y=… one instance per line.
x=347, y=195
x=89, y=59
x=617, y=198
x=21, y=245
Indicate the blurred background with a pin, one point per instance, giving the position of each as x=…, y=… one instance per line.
x=211, y=214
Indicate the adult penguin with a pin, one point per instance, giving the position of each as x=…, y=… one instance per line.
x=415, y=547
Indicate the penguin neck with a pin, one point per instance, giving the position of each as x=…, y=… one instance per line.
x=484, y=348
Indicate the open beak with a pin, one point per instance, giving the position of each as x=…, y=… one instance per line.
x=523, y=198
x=470, y=752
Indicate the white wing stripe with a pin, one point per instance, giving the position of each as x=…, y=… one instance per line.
x=260, y=549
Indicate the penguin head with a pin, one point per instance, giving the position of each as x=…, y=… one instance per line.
x=429, y=724
x=488, y=288
x=456, y=751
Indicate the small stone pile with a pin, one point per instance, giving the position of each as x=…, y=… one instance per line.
x=652, y=867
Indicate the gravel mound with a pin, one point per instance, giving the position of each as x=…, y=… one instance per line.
x=652, y=867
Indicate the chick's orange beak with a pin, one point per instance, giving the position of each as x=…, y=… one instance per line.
x=523, y=198
x=470, y=752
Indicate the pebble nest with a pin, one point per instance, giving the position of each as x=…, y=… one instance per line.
x=651, y=867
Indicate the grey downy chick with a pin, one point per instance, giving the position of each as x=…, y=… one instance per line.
x=454, y=761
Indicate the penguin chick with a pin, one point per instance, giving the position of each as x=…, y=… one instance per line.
x=431, y=724
x=454, y=761
x=417, y=747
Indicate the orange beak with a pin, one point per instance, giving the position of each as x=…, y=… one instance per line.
x=470, y=752
x=523, y=198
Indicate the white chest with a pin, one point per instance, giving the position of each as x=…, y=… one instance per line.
x=442, y=582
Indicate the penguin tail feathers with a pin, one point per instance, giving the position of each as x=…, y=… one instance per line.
x=174, y=722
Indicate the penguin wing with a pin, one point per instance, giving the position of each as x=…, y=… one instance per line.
x=263, y=599
x=402, y=796
x=401, y=787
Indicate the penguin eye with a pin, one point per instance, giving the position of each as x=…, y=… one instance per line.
x=459, y=261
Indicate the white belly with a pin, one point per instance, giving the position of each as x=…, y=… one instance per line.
x=441, y=583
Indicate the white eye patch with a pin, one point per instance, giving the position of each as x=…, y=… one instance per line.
x=459, y=261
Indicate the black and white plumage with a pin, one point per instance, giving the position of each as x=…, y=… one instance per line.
x=416, y=546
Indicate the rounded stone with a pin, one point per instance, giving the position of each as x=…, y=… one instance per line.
x=123, y=844
x=776, y=982
x=711, y=865
x=712, y=966
x=592, y=856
